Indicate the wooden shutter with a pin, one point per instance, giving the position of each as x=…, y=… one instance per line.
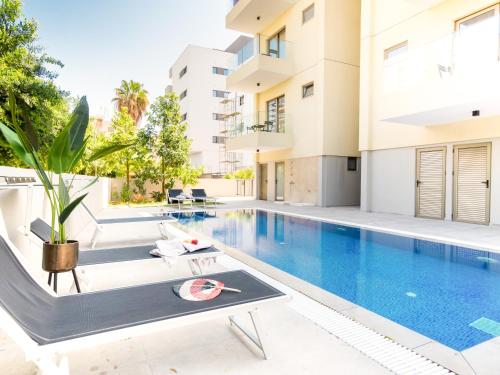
x=431, y=182
x=472, y=183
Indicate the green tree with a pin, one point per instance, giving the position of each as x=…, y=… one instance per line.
x=132, y=96
x=189, y=175
x=129, y=160
x=166, y=134
x=25, y=71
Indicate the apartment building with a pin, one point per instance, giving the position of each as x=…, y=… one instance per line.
x=303, y=68
x=430, y=109
x=198, y=77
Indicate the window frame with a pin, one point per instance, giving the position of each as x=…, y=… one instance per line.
x=311, y=6
x=460, y=20
x=183, y=72
x=305, y=87
x=349, y=166
x=393, y=48
x=225, y=71
x=225, y=96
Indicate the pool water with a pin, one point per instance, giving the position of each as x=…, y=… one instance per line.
x=435, y=289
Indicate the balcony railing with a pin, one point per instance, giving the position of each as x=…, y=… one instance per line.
x=258, y=122
x=262, y=45
x=472, y=55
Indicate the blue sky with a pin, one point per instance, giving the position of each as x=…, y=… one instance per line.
x=102, y=42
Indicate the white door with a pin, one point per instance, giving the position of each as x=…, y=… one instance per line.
x=471, y=175
x=431, y=182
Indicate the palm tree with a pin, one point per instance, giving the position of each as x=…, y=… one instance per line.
x=131, y=95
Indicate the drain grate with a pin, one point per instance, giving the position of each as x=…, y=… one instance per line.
x=384, y=351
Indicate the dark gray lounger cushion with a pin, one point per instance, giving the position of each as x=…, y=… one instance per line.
x=47, y=319
x=120, y=254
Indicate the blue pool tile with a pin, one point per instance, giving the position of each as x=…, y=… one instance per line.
x=449, y=286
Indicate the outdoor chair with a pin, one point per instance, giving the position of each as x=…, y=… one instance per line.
x=48, y=327
x=200, y=195
x=40, y=232
x=100, y=224
x=177, y=196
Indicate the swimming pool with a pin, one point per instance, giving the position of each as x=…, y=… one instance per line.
x=435, y=289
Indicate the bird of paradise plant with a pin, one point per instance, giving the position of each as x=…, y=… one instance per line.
x=65, y=152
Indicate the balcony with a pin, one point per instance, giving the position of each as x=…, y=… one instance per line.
x=260, y=64
x=252, y=16
x=259, y=132
x=445, y=81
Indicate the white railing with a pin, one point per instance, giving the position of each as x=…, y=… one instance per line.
x=261, y=45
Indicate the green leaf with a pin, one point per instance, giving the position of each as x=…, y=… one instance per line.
x=69, y=145
x=63, y=216
x=59, y=157
x=106, y=150
x=17, y=145
x=77, y=155
x=63, y=193
x=78, y=124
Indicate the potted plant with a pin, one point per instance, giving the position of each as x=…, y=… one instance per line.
x=68, y=148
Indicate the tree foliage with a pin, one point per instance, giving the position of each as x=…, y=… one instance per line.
x=166, y=137
x=25, y=71
x=132, y=96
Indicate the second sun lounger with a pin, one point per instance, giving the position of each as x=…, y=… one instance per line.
x=101, y=223
x=47, y=327
x=40, y=230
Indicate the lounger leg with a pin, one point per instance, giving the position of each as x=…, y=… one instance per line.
x=97, y=231
x=50, y=278
x=191, y=266
x=255, y=337
x=53, y=366
x=55, y=282
x=76, y=280
x=163, y=232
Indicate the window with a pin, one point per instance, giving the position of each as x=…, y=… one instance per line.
x=220, y=71
x=396, y=50
x=476, y=39
x=242, y=100
x=220, y=94
x=276, y=45
x=183, y=71
x=183, y=94
x=308, y=90
x=218, y=116
x=184, y=117
x=275, y=115
x=352, y=163
x=308, y=13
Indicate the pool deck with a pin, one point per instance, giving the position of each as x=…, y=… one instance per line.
x=480, y=359
x=296, y=344
x=216, y=350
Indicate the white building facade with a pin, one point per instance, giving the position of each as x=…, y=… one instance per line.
x=198, y=77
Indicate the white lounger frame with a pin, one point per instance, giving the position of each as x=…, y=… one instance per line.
x=52, y=359
x=194, y=260
x=99, y=227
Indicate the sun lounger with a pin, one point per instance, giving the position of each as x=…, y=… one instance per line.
x=178, y=196
x=47, y=327
x=200, y=195
x=40, y=232
x=100, y=224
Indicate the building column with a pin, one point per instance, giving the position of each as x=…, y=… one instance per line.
x=365, y=203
